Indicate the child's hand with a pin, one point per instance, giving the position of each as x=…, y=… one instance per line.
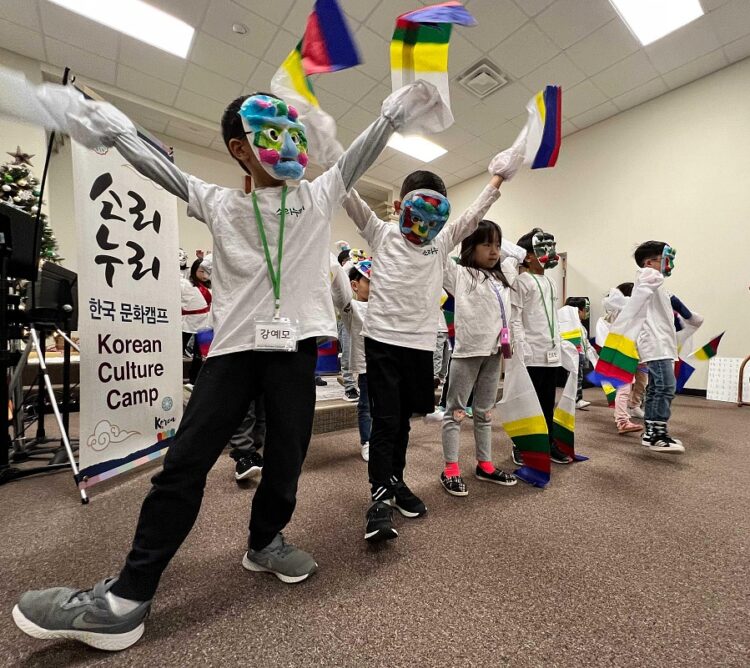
x=417, y=108
x=506, y=163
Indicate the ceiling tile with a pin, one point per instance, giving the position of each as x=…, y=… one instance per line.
x=472, y=170
x=194, y=135
x=145, y=85
x=738, y=49
x=454, y=136
x=346, y=136
x=361, y=9
x=282, y=45
x=471, y=150
x=191, y=12
x=80, y=62
x=709, y=5
x=151, y=60
x=215, y=55
x=356, y=119
x=625, y=75
x=274, y=11
x=449, y=163
x=204, y=82
x=531, y=7
x=568, y=128
x=374, y=52
x=349, y=84
x=509, y=101
x=523, y=51
x=374, y=99
x=333, y=104
x=496, y=21
x=22, y=40
x=260, y=79
x=200, y=106
x=22, y=12
x=641, y=94
x=603, y=47
x=595, y=115
x=404, y=164
x=683, y=45
x=581, y=98
x=383, y=19
x=381, y=173
x=567, y=21
x=501, y=136
x=731, y=21
x=148, y=118
x=296, y=19
x=451, y=180
x=560, y=71
x=462, y=54
x=222, y=14
x=73, y=29
x=463, y=103
x=696, y=69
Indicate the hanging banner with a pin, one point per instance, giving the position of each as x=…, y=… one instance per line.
x=129, y=321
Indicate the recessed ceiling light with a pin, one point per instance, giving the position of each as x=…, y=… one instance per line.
x=139, y=20
x=650, y=20
x=416, y=147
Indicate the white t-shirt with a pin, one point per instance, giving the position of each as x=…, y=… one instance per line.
x=531, y=318
x=353, y=316
x=407, y=280
x=193, y=300
x=478, y=317
x=242, y=289
x=658, y=338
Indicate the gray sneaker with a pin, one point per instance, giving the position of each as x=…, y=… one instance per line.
x=286, y=562
x=64, y=613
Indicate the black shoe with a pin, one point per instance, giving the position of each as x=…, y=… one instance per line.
x=320, y=382
x=497, y=476
x=405, y=501
x=248, y=466
x=351, y=395
x=379, y=524
x=453, y=484
x=517, y=458
x=557, y=456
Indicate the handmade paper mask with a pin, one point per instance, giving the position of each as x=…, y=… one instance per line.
x=364, y=267
x=276, y=136
x=183, y=259
x=357, y=254
x=667, y=260
x=423, y=214
x=545, y=249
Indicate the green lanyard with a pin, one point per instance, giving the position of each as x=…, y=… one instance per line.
x=275, y=276
x=551, y=306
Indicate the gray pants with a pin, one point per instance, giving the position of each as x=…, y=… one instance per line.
x=251, y=434
x=483, y=375
x=441, y=356
x=347, y=375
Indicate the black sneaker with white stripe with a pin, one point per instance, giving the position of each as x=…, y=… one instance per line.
x=405, y=501
x=248, y=466
x=657, y=439
x=379, y=525
x=497, y=476
x=517, y=458
x=558, y=456
x=453, y=484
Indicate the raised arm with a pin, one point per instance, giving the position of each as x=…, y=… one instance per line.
x=512, y=256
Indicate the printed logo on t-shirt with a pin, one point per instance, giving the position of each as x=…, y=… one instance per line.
x=430, y=251
x=291, y=212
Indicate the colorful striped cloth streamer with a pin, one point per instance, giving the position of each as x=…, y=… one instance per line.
x=540, y=138
x=609, y=391
x=709, y=350
x=564, y=419
x=524, y=423
x=682, y=373
x=419, y=47
x=570, y=326
x=326, y=46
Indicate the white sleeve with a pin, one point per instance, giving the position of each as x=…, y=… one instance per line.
x=509, y=267
x=341, y=289
x=457, y=230
x=369, y=225
x=450, y=275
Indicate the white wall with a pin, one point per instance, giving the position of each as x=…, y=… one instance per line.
x=675, y=169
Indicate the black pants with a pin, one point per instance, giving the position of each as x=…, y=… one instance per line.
x=219, y=402
x=400, y=383
x=544, y=379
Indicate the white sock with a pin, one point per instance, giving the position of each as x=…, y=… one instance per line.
x=121, y=606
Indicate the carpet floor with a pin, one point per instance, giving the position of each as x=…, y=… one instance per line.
x=629, y=559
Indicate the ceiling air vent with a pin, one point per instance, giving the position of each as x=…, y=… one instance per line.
x=483, y=78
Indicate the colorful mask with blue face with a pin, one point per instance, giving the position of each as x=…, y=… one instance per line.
x=364, y=267
x=423, y=214
x=276, y=136
x=667, y=260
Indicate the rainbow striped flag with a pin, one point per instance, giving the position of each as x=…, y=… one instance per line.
x=326, y=46
x=682, y=373
x=544, y=128
x=709, y=350
x=564, y=418
x=570, y=326
x=610, y=391
x=524, y=423
x=419, y=47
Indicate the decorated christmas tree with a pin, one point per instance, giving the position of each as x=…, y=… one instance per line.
x=20, y=188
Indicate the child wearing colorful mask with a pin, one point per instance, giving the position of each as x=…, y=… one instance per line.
x=252, y=299
x=400, y=327
x=481, y=286
x=657, y=346
x=535, y=327
x=353, y=316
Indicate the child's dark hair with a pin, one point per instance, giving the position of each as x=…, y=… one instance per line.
x=423, y=180
x=577, y=302
x=527, y=240
x=231, y=123
x=626, y=289
x=343, y=257
x=647, y=250
x=355, y=274
x=193, y=278
x=486, y=232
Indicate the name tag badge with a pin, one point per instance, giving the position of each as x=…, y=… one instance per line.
x=275, y=335
x=553, y=356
